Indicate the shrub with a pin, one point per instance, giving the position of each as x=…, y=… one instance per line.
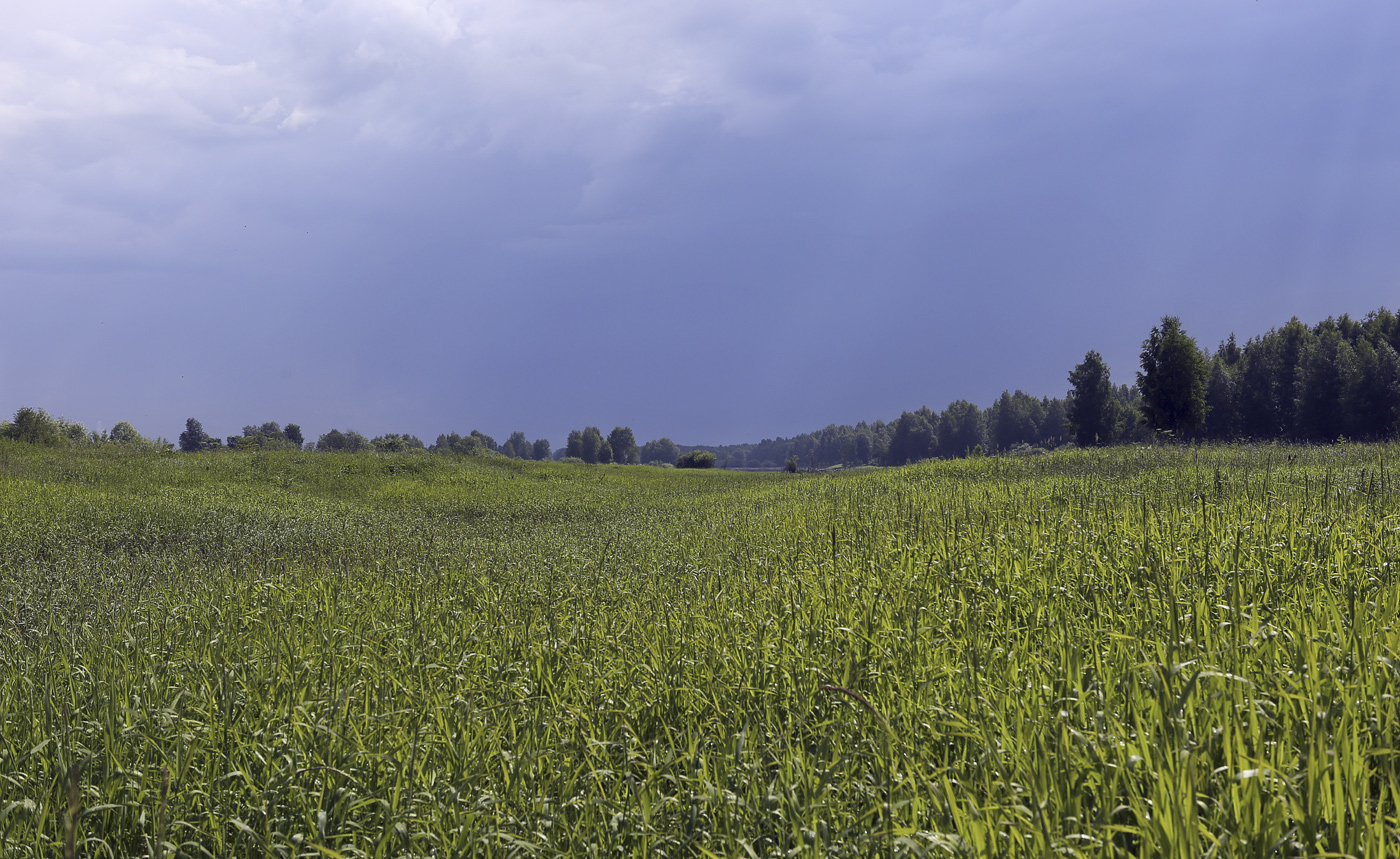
x=696, y=459
x=194, y=438
x=33, y=426
x=342, y=442
x=37, y=426
x=397, y=443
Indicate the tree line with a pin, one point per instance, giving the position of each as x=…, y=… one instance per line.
x=1016, y=421
x=588, y=445
x=1337, y=379
x=36, y=426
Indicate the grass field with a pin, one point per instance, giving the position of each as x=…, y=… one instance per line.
x=1146, y=652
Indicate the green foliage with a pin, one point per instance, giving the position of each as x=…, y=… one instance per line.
x=1223, y=420
x=661, y=451
x=915, y=438
x=1321, y=362
x=194, y=439
x=486, y=441
x=960, y=429
x=476, y=443
x=864, y=448
x=396, y=443
x=623, y=446
x=1124, y=652
x=125, y=433
x=1090, y=408
x=34, y=426
x=1172, y=380
x=696, y=459
x=1015, y=419
x=1341, y=377
x=268, y=436
x=517, y=446
x=590, y=446
x=336, y=441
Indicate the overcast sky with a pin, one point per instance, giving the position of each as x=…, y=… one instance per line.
x=712, y=220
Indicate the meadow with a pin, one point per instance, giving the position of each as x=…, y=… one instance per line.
x=1145, y=651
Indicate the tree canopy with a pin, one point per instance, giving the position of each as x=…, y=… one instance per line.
x=696, y=459
x=661, y=451
x=1172, y=380
x=1090, y=408
x=336, y=441
x=1338, y=379
x=195, y=439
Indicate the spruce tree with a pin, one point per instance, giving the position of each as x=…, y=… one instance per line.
x=1090, y=407
x=1173, y=380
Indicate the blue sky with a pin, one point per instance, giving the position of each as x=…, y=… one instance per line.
x=716, y=221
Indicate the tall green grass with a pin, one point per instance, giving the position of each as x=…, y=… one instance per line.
x=1146, y=652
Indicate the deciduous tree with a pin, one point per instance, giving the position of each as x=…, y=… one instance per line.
x=342, y=442
x=517, y=446
x=624, y=446
x=194, y=438
x=914, y=438
x=960, y=429
x=661, y=450
x=696, y=459
x=34, y=426
x=593, y=444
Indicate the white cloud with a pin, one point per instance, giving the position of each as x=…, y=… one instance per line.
x=604, y=82
x=263, y=112
x=591, y=73
x=505, y=156
x=297, y=118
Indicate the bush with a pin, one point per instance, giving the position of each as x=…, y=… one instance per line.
x=397, y=443
x=696, y=459
x=342, y=442
x=37, y=426
x=268, y=436
x=791, y=465
x=33, y=426
x=125, y=434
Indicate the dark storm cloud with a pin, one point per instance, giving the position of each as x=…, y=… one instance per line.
x=715, y=221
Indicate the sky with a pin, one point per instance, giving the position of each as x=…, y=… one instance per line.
x=711, y=220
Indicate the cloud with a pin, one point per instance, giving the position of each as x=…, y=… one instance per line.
x=133, y=105
x=592, y=75
x=612, y=83
x=136, y=115
x=891, y=171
